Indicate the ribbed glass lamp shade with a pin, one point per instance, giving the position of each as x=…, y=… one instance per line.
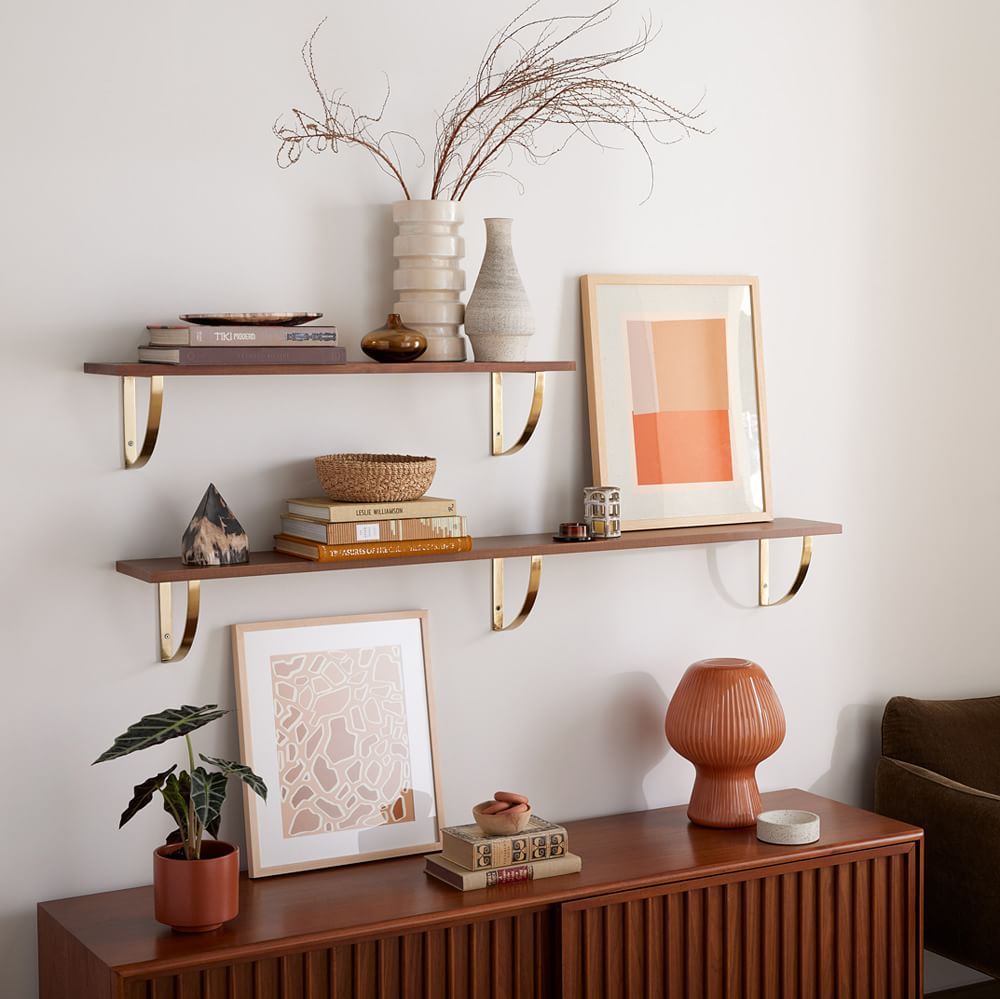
x=725, y=718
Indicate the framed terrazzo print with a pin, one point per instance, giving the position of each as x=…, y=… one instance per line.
x=337, y=715
x=675, y=391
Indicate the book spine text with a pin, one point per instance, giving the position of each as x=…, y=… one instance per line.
x=374, y=549
x=503, y=851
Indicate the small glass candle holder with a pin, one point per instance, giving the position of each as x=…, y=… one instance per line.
x=602, y=511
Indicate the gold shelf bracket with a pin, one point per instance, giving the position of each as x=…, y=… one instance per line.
x=764, y=573
x=534, y=580
x=137, y=455
x=496, y=410
x=166, y=620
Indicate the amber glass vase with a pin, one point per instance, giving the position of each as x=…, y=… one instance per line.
x=725, y=718
x=394, y=342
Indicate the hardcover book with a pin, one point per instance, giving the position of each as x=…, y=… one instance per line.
x=368, y=549
x=351, y=532
x=241, y=336
x=450, y=873
x=469, y=847
x=242, y=355
x=320, y=508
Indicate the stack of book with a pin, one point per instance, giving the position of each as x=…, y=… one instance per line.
x=469, y=859
x=325, y=531
x=244, y=345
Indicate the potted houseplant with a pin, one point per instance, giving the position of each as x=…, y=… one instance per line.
x=195, y=880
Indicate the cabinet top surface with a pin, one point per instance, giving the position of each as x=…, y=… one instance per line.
x=619, y=852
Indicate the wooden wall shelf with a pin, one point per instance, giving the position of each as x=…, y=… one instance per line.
x=136, y=453
x=271, y=563
x=661, y=908
x=165, y=571
x=139, y=370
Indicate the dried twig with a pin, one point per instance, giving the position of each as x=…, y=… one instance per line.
x=338, y=123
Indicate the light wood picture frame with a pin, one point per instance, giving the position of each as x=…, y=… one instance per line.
x=675, y=396
x=336, y=714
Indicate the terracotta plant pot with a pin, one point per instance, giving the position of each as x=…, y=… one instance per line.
x=195, y=896
x=725, y=718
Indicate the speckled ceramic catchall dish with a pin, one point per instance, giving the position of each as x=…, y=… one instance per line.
x=788, y=827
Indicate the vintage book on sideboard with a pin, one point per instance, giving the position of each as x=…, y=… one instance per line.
x=661, y=908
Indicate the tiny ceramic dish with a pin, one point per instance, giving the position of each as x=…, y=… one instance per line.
x=788, y=827
x=501, y=824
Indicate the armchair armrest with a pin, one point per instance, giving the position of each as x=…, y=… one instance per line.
x=962, y=869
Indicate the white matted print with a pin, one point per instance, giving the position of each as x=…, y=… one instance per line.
x=336, y=716
x=676, y=398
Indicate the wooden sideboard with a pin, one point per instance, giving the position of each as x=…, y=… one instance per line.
x=661, y=908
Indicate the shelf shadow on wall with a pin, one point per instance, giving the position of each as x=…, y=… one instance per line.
x=715, y=575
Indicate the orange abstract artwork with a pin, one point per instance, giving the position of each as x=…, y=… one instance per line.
x=680, y=401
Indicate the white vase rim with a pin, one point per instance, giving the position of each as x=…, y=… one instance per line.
x=427, y=201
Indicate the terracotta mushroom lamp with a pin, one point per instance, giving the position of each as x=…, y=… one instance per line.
x=725, y=718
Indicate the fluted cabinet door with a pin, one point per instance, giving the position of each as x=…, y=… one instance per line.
x=837, y=928
x=504, y=958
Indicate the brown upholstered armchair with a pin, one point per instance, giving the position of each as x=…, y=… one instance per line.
x=940, y=769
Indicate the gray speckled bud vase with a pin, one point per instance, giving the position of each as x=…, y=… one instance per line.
x=498, y=318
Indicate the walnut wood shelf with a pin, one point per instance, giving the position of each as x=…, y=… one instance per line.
x=136, y=452
x=661, y=908
x=271, y=563
x=165, y=571
x=128, y=369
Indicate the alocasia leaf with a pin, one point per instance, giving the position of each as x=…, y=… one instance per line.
x=142, y=794
x=244, y=773
x=151, y=730
x=208, y=792
x=176, y=796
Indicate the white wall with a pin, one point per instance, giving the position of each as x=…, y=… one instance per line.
x=853, y=168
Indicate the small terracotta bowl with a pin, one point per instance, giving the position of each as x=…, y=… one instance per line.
x=502, y=824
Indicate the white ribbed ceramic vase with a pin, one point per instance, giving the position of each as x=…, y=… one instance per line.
x=428, y=277
x=498, y=318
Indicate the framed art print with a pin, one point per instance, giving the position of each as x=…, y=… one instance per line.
x=336, y=716
x=675, y=391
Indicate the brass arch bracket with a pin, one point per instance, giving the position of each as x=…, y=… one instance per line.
x=166, y=621
x=496, y=408
x=137, y=455
x=764, y=572
x=534, y=579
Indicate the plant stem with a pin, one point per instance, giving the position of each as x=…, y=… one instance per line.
x=191, y=844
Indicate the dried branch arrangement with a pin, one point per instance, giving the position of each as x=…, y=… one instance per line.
x=528, y=95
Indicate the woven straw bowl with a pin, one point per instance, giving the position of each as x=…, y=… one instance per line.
x=375, y=478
